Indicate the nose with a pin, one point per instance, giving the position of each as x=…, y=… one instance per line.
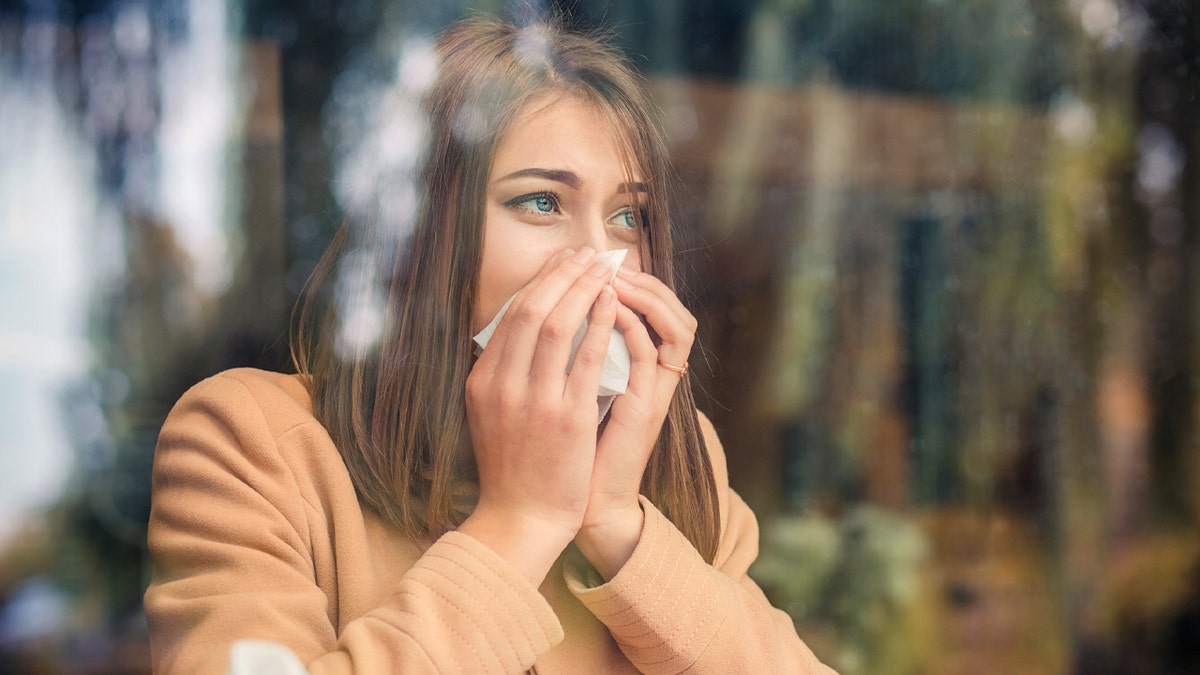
x=593, y=232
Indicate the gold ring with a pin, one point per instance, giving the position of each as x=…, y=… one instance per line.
x=680, y=370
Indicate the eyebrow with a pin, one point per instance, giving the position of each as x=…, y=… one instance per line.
x=568, y=178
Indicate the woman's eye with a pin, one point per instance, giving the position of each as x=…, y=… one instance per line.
x=542, y=202
x=624, y=218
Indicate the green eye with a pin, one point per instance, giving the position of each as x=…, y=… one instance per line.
x=625, y=219
x=540, y=202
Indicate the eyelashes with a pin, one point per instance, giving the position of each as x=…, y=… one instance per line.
x=535, y=202
x=545, y=203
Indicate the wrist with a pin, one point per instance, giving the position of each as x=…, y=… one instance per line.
x=529, y=544
x=608, y=539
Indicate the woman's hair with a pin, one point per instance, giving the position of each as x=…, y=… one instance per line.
x=396, y=409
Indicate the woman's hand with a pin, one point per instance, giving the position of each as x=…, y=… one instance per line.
x=613, y=522
x=533, y=425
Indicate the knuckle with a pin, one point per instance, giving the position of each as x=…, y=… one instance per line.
x=577, y=418
x=556, y=329
x=549, y=414
x=540, y=405
x=639, y=339
x=589, y=354
x=508, y=398
x=527, y=313
x=475, y=386
x=566, y=423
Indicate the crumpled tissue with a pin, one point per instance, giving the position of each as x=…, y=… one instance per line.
x=614, y=372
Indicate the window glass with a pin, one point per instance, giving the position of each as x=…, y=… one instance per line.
x=943, y=255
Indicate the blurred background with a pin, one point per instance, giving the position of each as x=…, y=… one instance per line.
x=944, y=254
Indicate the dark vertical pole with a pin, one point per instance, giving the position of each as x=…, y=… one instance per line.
x=926, y=346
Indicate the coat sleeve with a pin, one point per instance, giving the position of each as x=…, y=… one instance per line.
x=671, y=612
x=229, y=539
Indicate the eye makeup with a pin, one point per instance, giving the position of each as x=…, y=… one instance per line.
x=547, y=202
x=538, y=200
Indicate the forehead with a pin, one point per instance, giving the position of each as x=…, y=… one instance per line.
x=557, y=131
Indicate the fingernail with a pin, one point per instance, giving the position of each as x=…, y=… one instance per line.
x=621, y=283
x=562, y=255
x=606, y=295
x=627, y=272
x=600, y=269
x=584, y=255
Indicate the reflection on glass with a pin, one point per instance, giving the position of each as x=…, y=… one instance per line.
x=943, y=254
x=47, y=197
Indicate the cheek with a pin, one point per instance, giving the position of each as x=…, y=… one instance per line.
x=508, y=265
x=633, y=261
x=494, y=284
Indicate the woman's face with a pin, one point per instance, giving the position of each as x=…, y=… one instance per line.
x=557, y=181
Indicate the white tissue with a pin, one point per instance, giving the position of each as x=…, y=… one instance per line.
x=614, y=373
x=261, y=657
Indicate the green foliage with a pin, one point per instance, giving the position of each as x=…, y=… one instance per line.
x=1002, y=51
x=860, y=574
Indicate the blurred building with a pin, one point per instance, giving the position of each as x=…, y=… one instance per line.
x=943, y=255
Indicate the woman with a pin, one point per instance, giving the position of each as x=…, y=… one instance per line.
x=414, y=507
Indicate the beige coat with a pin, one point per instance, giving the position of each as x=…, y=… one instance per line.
x=256, y=533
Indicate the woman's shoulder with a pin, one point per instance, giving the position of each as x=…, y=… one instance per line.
x=277, y=400
x=254, y=427
x=245, y=413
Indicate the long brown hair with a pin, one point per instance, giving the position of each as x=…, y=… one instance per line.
x=395, y=408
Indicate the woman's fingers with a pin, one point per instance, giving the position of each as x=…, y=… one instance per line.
x=584, y=380
x=522, y=323
x=490, y=357
x=674, y=324
x=643, y=355
x=636, y=417
x=532, y=427
x=533, y=341
x=559, y=328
